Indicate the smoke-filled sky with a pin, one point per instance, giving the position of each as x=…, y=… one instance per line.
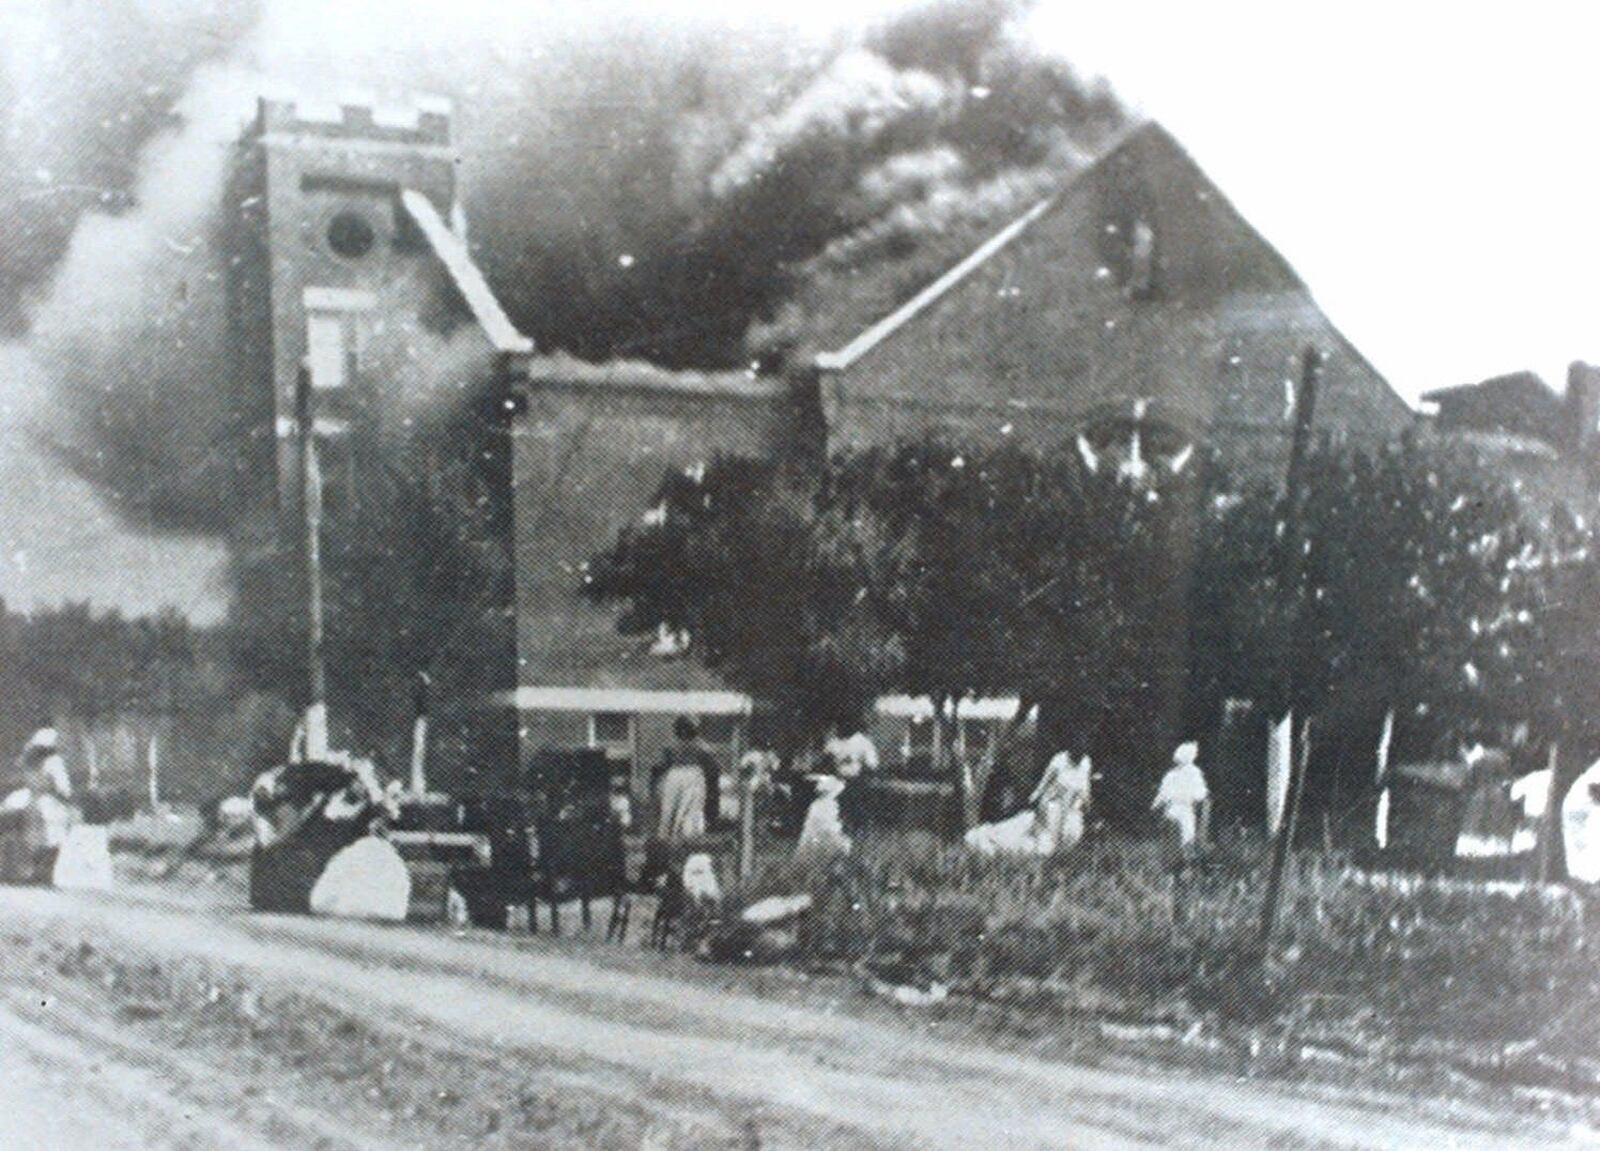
x=660, y=185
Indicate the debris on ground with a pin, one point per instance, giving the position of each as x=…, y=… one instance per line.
x=776, y=909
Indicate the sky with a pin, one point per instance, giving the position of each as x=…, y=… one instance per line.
x=1432, y=171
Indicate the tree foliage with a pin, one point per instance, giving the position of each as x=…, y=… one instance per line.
x=1128, y=611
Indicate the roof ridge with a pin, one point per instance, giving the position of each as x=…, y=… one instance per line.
x=880, y=331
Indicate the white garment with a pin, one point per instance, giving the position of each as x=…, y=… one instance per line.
x=852, y=754
x=58, y=818
x=1025, y=833
x=84, y=862
x=1061, y=800
x=1580, y=826
x=1532, y=793
x=54, y=769
x=1280, y=742
x=366, y=880
x=1183, y=789
x=823, y=833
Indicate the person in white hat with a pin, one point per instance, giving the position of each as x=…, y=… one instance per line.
x=1183, y=799
x=41, y=760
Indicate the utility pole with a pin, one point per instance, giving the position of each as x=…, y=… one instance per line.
x=419, y=736
x=316, y=719
x=1292, y=567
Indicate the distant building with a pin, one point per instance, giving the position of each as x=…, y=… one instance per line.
x=1543, y=442
x=1134, y=297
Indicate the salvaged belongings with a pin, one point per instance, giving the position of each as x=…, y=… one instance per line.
x=84, y=860
x=1183, y=794
x=1580, y=826
x=366, y=880
x=1052, y=822
x=823, y=833
x=305, y=813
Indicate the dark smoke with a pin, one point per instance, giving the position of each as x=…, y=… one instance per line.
x=635, y=187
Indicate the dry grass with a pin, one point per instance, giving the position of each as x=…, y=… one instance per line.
x=1120, y=928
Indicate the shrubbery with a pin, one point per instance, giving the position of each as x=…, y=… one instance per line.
x=1118, y=927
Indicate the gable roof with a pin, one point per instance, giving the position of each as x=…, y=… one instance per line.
x=1046, y=300
x=465, y=274
x=840, y=360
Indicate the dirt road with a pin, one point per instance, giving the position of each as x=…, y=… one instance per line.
x=170, y=1026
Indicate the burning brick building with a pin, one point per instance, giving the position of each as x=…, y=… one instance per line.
x=1134, y=297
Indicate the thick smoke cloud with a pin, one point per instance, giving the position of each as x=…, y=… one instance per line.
x=636, y=186
x=83, y=87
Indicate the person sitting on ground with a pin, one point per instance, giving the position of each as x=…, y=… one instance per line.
x=823, y=835
x=1183, y=799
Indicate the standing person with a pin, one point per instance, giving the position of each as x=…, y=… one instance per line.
x=1183, y=799
x=685, y=769
x=852, y=756
x=1062, y=797
x=53, y=814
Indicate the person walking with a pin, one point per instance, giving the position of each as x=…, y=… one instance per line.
x=1183, y=799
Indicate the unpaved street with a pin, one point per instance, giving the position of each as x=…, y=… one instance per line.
x=489, y=1035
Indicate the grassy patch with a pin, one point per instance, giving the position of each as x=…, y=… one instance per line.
x=1119, y=928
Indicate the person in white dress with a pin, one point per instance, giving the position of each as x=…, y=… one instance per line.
x=1062, y=797
x=1183, y=799
x=823, y=833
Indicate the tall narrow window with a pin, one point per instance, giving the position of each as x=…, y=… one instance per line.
x=1142, y=260
x=327, y=350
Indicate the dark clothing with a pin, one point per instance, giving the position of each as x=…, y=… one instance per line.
x=692, y=754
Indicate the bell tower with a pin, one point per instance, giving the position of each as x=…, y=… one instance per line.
x=320, y=243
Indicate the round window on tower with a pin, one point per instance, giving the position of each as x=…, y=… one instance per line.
x=350, y=235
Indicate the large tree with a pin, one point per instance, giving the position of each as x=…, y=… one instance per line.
x=925, y=568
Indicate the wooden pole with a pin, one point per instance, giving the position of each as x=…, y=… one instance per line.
x=153, y=766
x=419, y=737
x=1293, y=565
x=747, y=824
x=311, y=506
x=1550, y=820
